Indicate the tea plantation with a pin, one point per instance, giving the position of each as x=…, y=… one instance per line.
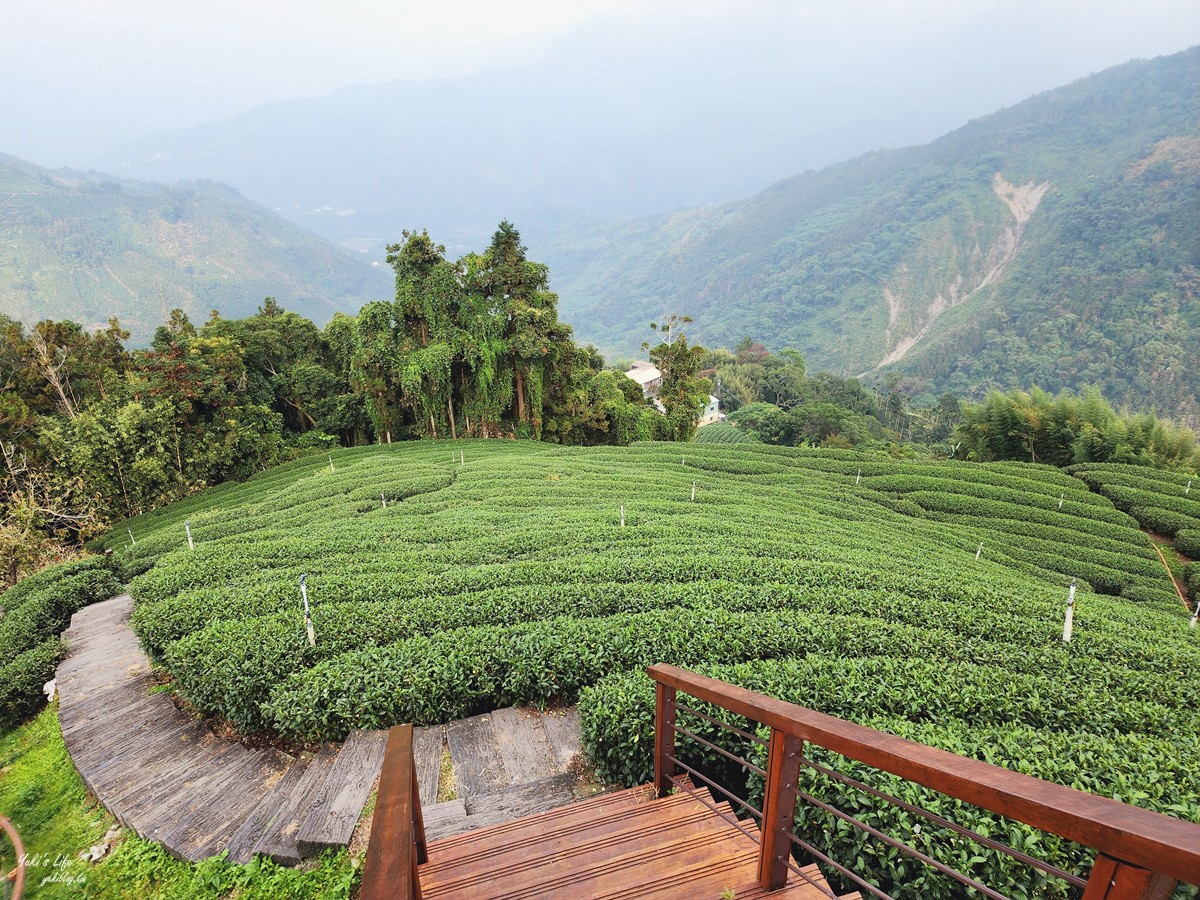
x=450, y=578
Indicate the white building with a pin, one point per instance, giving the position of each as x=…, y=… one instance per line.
x=649, y=379
x=647, y=376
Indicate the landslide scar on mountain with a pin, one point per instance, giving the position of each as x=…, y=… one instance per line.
x=978, y=271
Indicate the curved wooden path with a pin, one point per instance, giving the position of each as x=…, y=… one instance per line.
x=170, y=779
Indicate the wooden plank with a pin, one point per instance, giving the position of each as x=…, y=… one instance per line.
x=444, y=819
x=522, y=745
x=177, y=812
x=562, y=732
x=280, y=842
x=161, y=783
x=338, y=806
x=427, y=757
x=519, y=800
x=1142, y=838
x=262, y=817
x=474, y=756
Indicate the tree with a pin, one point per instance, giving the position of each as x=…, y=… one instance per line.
x=682, y=392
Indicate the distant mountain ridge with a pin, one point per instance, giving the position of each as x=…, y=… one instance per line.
x=1056, y=242
x=86, y=246
x=618, y=119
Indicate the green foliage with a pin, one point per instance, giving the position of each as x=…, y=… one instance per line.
x=32, y=615
x=21, y=680
x=58, y=820
x=474, y=348
x=683, y=393
x=721, y=433
x=75, y=248
x=1066, y=429
x=1187, y=542
x=1160, y=500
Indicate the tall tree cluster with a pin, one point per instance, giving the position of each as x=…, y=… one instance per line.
x=91, y=432
x=1065, y=429
x=474, y=348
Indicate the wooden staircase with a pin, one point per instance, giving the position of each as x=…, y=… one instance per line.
x=672, y=840
x=625, y=844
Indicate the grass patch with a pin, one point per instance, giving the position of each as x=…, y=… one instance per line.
x=43, y=795
x=446, y=788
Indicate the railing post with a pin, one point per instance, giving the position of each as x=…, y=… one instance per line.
x=397, y=841
x=664, y=739
x=1112, y=879
x=779, y=808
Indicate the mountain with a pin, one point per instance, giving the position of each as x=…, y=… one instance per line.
x=612, y=122
x=86, y=246
x=1056, y=242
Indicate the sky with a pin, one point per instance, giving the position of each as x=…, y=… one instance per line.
x=79, y=76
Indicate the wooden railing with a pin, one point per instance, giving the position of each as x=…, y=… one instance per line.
x=397, y=843
x=1140, y=855
x=17, y=876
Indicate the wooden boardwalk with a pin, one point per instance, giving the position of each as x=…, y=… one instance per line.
x=170, y=779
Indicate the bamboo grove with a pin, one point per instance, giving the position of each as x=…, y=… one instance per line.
x=474, y=348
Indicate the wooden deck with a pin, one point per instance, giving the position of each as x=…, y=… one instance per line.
x=170, y=779
x=624, y=844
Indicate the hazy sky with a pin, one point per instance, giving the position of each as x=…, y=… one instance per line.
x=78, y=76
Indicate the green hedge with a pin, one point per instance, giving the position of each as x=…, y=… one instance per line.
x=1163, y=521
x=36, y=611
x=21, y=681
x=451, y=674
x=1187, y=542
x=46, y=609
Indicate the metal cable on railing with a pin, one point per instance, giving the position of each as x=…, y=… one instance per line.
x=745, y=763
x=712, y=784
x=681, y=783
x=817, y=854
x=904, y=848
x=975, y=836
x=738, y=731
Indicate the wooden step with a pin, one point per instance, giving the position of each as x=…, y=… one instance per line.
x=513, y=802
x=478, y=768
x=444, y=819
x=279, y=843
x=212, y=820
x=540, y=865
x=623, y=845
x=339, y=803
x=265, y=817
x=561, y=819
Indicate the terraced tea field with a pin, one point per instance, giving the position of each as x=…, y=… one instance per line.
x=449, y=578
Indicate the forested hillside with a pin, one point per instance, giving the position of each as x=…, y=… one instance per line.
x=87, y=247
x=1051, y=243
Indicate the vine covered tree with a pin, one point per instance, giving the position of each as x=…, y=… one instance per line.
x=682, y=392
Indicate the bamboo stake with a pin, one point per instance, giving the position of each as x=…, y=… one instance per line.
x=1069, y=624
x=308, y=626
